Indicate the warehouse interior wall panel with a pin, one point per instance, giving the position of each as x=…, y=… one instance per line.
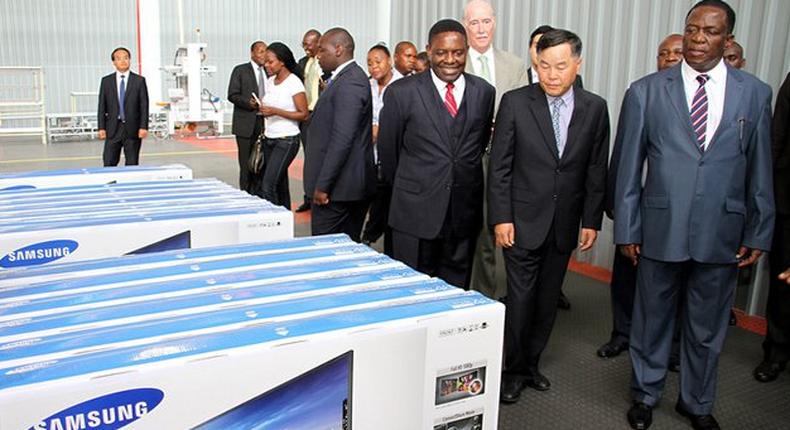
x=619, y=43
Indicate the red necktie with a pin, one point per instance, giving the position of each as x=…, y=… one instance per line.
x=449, y=101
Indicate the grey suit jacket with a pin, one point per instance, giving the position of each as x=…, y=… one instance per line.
x=509, y=73
x=694, y=205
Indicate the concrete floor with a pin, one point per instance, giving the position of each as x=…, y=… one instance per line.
x=587, y=392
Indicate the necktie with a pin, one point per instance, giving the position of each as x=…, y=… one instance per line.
x=485, y=73
x=449, y=101
x=122, y=99
x=311, y=76
x=261, y=83
x=699, y=111
x=556, y=105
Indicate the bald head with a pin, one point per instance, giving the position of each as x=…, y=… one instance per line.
x=480, y=24
x=734, y=55
x=670, y=52
x=335, y=48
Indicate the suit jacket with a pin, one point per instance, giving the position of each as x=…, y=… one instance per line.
x=433, y=174
x=302, y=63
x=509, y=70
x=135, y=105
x=339, y=158
x=530, y=185
x=694, y=205
x=242, y=84
x=578, y=83
x=781, y=148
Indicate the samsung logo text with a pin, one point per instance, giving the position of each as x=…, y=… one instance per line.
x=39, y=253
x=109, y=412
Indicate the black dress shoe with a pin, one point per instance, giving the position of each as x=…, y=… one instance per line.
x=304, y=207
x=612, y=349
x=768, y=371
x=563, y=303
x=538, y=382
x=733, y=318
x=640, y=416
x=511, y=390
x=698, y=422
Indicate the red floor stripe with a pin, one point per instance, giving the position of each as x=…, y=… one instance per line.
x=752, y=323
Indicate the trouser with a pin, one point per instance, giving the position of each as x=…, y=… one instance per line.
x=776, y=345
x=378, y=216
x=709, y=291
x=534, y=281
x=303, y=127
x=448, y=257
x=130, y=145
x=339, y=217
x=278, y=153
x=484, y=274
x=244, y=146
x=622, y=291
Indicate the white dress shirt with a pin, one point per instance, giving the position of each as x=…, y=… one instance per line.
x=458, y=90
x=715, y=89
x=474, y=56
x=339, y=68
x=255, y=68
x=118, y=82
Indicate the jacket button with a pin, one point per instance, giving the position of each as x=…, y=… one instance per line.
x=554, y=197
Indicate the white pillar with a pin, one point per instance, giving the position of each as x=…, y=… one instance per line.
x=383, y=15
x=150, y=55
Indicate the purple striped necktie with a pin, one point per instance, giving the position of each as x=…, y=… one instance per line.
x=699, y=111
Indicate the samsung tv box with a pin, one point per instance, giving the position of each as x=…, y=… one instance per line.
x=61, y=272
x=95, y=175
x=432, y=362
x=40, y=242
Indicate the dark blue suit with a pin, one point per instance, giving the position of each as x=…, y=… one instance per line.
x=695, y=210
x=339, y=158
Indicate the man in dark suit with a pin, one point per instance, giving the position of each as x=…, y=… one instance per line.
x=246, y=79
x=123, y=111
x=433, y=130
x=312, y=73
x=670, y=53
x=339, y=171
x=705, y=209
x=776, y=345
x=547, y=176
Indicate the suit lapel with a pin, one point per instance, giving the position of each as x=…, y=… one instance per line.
x=471, y=94
x=577, y=120
x=677, y=96
x=429, y=96
x=540, y=111
x=732, y=96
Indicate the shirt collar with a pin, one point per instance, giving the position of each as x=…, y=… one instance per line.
x=717, y=75
x=442, y=85
x=341, y=67
x=488, y=54
x=119, y=74
x=567, y=98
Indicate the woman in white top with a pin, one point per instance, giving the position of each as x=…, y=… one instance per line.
x=283, y=106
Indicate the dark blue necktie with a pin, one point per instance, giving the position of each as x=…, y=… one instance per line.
x=122, y=98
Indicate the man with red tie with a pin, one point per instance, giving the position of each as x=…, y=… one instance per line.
x=433, y=130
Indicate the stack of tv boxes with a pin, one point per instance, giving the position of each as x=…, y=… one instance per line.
x=44, y=225
x=92, y=176
x=306, y=333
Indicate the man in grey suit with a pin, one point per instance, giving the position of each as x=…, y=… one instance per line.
x=706, y=208
x=505, y=72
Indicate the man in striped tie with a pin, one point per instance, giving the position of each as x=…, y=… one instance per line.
x=706, y=209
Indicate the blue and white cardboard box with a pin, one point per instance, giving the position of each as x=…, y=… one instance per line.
x=41, y=242
x=430, y=363
x=97, y=175
x=61, y=272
